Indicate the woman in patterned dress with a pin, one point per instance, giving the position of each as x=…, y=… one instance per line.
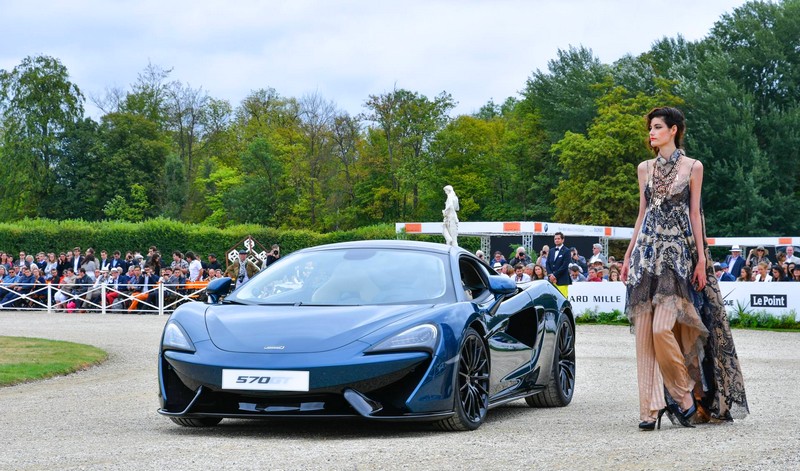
x=684, y=349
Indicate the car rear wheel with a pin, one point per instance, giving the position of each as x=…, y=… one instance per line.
x=202, y=422
x=562, y=377
x=472, y=393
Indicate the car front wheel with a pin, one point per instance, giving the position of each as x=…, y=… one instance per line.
x=472, y=393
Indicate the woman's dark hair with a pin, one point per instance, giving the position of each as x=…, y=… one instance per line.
x=672, y=117
x=781, y=274
x=749, y=274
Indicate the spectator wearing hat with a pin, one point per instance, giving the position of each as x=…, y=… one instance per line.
x=242, y=269
x=720, y=271
x=498, y=267
x=757, y=256
x=113, y=286
x=726, y=275
x=599, y=268
x=597, y=254
x=735, y=261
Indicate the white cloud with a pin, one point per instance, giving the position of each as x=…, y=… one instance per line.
x=346, y=50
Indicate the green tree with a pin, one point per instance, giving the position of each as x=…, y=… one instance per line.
x=316, y=162
x=601, y=185
x=408, y=122
x=37, y=103
x=467, y=155
x=75, y=195
x=346, y=149
x=132, y=149
x=527, y=172
x=566, y=95
x=132, y=208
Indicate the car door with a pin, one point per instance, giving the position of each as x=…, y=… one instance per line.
x=514, y=331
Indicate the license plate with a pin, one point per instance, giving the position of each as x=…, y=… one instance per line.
x=265, y=380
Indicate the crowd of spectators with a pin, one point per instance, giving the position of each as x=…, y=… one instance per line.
x=80, y=277
x=757, y=266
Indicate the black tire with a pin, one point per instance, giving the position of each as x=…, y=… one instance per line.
x=202, y=422
x=472, y=385
x=561, y=385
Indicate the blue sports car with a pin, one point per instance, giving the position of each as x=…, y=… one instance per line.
x=384, y=330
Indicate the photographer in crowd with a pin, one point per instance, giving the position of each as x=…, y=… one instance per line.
x=273, y=256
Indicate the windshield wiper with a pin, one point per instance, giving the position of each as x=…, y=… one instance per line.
x=232, y=301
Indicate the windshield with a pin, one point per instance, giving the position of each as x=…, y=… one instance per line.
x=349, y=276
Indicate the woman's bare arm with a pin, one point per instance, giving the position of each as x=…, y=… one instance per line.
x=642, y=175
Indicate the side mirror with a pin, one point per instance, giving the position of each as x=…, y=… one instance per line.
x=501, y=285
x=218, y=288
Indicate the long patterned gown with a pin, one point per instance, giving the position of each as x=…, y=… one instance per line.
x=662, y=264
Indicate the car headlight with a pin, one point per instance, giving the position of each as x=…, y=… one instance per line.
x=176, y=339
x=421, y=337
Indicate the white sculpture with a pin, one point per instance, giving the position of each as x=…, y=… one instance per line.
x=450, y=225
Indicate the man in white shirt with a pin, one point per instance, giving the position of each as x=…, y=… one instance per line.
x=519, y=275
x=597, y=254
x=195, y=267
x=735, y=261
x=790, y=257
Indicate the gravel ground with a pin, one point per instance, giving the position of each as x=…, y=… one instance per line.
x=105, y=417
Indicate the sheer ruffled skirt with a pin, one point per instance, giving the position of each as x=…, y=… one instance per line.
x=703, y=336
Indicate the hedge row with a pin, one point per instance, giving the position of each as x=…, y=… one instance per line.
x=35, y=235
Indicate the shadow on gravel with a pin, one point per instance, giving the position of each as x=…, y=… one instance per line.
x=341, y=428
x=308, y=428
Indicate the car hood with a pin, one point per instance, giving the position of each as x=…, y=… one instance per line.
x=297, y=329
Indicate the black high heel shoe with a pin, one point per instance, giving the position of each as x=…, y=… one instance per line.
x=682, y=417
x=688, y=413
x=650, y=426
x=675, y=413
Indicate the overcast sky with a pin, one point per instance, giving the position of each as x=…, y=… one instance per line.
x=344, y=50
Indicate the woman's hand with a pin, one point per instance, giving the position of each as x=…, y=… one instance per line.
x=623, y=274
x=699, y=277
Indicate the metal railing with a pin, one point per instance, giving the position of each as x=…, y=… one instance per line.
x=162, y=298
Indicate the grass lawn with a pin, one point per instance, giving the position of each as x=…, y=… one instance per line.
x=26, y=359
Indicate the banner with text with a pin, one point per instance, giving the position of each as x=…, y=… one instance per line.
x=776, y=299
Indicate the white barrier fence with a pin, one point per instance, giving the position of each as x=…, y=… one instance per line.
x=776, y=299
x=160, y=299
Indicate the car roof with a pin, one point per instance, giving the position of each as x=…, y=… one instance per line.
x=389, y=244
